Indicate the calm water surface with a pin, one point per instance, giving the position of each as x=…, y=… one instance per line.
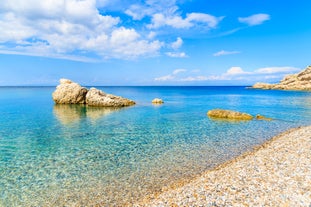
x=62, y=155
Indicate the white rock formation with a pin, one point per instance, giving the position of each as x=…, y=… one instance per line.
x=69, y=92
x=96, y=97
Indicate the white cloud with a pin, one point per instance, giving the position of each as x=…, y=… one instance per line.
x=237, y=73
x=102, y=3
x=152, y=35
x=68, y=28
x=210, y=20
x=182, y=75
x=175, y=72
x=232, y=74
x=176, y=54
x=172, y=76
x=273, y=70
x=165, y=78
x=138, y=12
x=150, y=7
x=255, y=19
x=191, y=20
x=196, y=78
x=177, y=44
x=223, y=52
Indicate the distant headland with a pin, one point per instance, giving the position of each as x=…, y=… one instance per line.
x=300, y=81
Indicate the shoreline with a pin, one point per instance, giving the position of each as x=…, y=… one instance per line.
x=275, y=173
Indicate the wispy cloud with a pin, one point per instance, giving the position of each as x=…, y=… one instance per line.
x=177, y=71
x=171, y=76
x=177, y=44
x=150, y=7
x=268, y=73
x=273, y=70
x=66, y=57
x=167, y=13
x=194, y=78
x=178, y=22
x=232, y=74
x=255, y=19
x=224, y=52
x=176, y=54
x=182, y=75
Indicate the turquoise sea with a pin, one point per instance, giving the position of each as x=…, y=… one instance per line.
x=67, y=155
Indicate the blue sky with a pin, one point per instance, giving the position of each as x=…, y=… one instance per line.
x=153, y=42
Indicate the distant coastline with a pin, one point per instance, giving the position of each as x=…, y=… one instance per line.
x=297, y=82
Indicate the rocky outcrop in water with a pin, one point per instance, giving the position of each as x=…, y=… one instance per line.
x=95, y=97
x=299, y=81
x=69, y=92
x=228, y=114
x=261, y=117
x=157, y=101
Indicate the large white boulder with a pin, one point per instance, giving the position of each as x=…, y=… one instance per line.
x=68, y=92
x=96, y=97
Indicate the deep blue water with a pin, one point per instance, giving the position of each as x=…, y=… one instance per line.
x=51, y=155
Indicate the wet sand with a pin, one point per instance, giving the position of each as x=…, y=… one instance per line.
x=277, y=173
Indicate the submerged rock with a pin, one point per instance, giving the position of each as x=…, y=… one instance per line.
x=69, y=92
x=96, y=97
x=260, y=117
x=299, y=81
x=157, y=101
x=228, y=114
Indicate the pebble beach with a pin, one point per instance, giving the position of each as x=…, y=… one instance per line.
x=277, y=173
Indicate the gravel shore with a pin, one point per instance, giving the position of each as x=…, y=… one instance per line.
x=278, y=173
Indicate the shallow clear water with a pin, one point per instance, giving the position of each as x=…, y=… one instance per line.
x=51, y=155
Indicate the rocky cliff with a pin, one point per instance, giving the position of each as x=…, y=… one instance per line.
x=299, y=81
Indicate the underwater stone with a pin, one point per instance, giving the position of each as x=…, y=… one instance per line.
x=228, y=114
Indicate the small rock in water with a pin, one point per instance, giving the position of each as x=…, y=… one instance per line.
x=157, y=101
x=260, y=117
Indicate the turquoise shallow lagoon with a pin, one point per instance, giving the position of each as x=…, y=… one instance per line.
x=60, y=155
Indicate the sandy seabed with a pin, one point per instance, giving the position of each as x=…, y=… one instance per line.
x=277, y=173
